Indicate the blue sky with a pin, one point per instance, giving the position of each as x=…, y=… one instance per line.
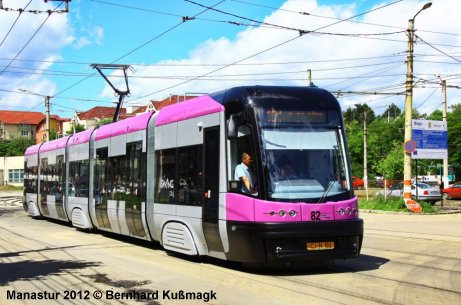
x=210, y=53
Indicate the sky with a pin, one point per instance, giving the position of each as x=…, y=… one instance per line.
x=355, y=49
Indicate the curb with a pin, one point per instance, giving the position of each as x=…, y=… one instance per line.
x=409, y=213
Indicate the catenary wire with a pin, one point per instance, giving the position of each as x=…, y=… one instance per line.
x=139, y=47
x=30, y=39
x=260, y=52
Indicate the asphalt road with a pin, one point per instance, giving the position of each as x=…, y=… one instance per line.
x=406, y=259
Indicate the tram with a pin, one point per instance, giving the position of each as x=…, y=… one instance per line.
x=168, y=176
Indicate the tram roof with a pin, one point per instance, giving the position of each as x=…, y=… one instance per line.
x=313, y=96
x=125, y=126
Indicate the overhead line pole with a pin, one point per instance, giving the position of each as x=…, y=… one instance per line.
x=444, y=118
x=408, y=113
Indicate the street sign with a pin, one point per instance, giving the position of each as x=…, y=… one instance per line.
x=431, y=138
x=410, y=146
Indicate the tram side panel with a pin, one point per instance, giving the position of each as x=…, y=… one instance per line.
x=31, y=182
x=179, y=192
x=119, y=177
x=78, y=184
x=52, y=184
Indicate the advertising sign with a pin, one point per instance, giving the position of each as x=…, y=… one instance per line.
x=431, y=139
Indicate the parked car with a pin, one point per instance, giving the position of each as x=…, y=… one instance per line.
x=380, y=182
x=420, y=191
x=357, y=183
x=452, y=191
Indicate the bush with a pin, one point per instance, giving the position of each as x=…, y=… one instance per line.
x=391, y=204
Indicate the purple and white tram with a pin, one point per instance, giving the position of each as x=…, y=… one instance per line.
x=169, y=177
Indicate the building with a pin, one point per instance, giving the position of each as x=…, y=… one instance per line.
x=17, y=124
x=91, y=118
x=56, y=124
x=12, y=170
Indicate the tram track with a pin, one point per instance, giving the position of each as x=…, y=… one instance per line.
x=343, y=283
x=72, y=281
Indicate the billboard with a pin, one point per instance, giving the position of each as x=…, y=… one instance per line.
x=431, y=138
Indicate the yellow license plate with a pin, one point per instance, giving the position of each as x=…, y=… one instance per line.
x=319, y=246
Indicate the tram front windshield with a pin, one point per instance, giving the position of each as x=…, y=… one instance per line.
x=303, y=157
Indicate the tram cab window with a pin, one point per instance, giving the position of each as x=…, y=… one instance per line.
x=236, y=146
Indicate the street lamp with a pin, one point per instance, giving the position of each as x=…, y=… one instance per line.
x=47, y=107
x=409, y=102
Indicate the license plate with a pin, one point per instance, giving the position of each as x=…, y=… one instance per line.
x=319, y=246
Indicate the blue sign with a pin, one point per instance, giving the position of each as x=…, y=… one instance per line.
x=431, y=139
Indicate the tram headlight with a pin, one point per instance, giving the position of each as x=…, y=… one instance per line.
x=282, y=213
x=341, y=211
x=292, y=213
x=349, y=211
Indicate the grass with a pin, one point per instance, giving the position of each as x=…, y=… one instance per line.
x=11, y=188
x=391, y=204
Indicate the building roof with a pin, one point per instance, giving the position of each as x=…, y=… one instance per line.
x=173, y=99
x=11, y=117
x=99, y=112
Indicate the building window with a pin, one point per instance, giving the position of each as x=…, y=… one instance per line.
x=16, y=176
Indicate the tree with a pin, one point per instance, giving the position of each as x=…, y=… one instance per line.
x=391, y=165
x=78, y=127
x=392, y=112
x=15, y=147
x=104, y=122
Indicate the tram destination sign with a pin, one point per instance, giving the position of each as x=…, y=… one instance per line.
x=431, y=139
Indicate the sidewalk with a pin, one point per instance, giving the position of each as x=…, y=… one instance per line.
x=4, y=193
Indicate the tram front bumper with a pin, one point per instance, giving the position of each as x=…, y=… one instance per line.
x=278, y=242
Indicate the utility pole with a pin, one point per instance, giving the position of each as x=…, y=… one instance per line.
x=309, y=78
x=444, y=118
x=365, y=153
x=409, y=105
x=47, y=107
x=47, y=111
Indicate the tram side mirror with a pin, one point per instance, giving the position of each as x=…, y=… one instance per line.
x=232, y=126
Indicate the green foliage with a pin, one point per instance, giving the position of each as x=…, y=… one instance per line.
x=395, y=204
x=15, y=147
x=385, y=139
x=53, y=134
x=391, y=165
x=104, y=122
x=78, y=128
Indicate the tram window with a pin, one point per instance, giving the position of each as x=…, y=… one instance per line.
x=78, y=178
x=100, y=186
x=243, y=143
x=30, y=179
x=165, y=176
x=134, y=173
x=44, y=172
x=190, y=175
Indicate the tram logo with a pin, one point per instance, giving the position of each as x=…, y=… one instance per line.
x=166, y=184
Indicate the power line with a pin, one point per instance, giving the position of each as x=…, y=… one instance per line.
x=263, y=51
x=300, y=31
x=30, y=39
x=335, y=18
x=14, y=23
x=141, y=46
x=430, y=45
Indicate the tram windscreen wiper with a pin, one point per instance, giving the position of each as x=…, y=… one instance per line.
x=331, y=182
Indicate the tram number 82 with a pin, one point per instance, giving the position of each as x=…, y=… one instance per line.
x=315, y=215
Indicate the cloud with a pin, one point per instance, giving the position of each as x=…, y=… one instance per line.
x=338, y=58
x=25, y=42
x=374, y=63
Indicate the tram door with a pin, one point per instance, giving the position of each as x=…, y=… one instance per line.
x=211, y=189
